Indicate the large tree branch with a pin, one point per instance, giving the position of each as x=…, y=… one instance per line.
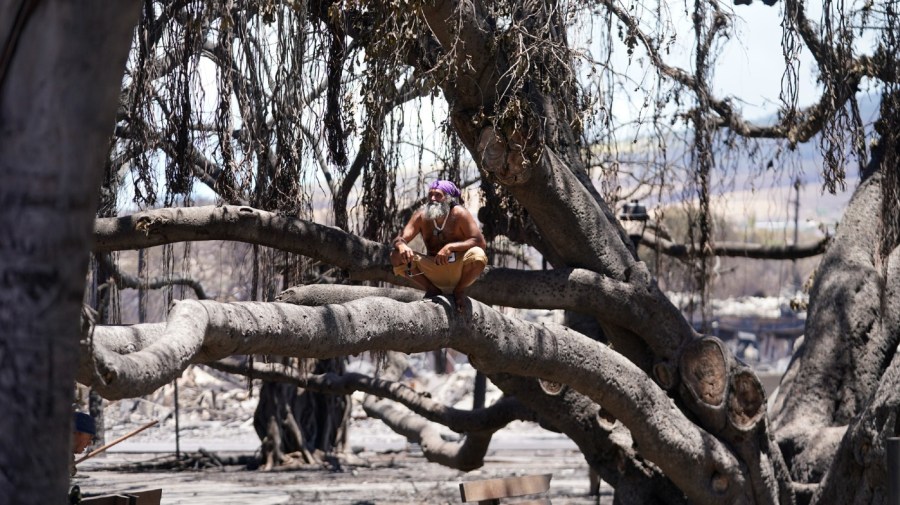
x=605, y=444
x=615, y=303
x=244, y=224
x=635, y=303
x=202, y=331
x=465, y=454
x=416, y=422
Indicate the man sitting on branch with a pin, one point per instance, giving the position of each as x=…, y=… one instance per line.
x=453, y=241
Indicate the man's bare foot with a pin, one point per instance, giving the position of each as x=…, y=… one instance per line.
x=460, y=299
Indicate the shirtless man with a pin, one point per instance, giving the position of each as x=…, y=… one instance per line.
x=455, y=245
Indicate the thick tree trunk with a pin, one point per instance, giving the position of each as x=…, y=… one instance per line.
x=58, y=94
x=308, y=422
x=838, y=401
x=845, y=349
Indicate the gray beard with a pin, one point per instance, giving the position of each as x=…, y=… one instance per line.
x=436, y=210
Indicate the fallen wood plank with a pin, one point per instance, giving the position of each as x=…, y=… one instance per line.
x=108, y=499
x=148, y=497
x=479, y=490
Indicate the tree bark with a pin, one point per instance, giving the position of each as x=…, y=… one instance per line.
x=838, y=401
x=60, y=74
x=846, y=347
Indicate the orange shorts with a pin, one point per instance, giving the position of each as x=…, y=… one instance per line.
x=445, y=277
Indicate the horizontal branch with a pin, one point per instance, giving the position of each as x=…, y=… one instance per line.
x=417, y=421
x=635, y=303
x=640, y=307
x=203, y=331
x=242, y=224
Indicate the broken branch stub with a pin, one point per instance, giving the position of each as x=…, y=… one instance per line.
x=746, y=400
x=724, y=391
x=704, y=375
x=504, y=156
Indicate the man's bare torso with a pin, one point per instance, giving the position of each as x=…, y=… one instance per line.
x=437, y=235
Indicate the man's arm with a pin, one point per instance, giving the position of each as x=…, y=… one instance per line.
x=470, y=230
x=409, y=232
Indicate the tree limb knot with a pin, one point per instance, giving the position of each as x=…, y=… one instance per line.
x=504, y=155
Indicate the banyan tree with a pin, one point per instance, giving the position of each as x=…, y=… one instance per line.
x=306, y=130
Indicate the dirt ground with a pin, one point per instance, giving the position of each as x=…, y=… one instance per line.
x=394, y=478
x=381, y=467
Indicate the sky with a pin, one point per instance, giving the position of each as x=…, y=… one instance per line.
x=749, y=67
x=752, y=68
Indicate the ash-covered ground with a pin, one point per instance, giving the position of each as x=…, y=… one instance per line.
x=208, y=459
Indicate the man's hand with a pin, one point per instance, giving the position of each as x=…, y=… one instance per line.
x=405, y=252
x=443, y=256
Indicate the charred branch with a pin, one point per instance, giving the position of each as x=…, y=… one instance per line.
x=465, y=454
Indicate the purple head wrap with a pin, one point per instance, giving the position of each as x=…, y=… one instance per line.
x=447, y=187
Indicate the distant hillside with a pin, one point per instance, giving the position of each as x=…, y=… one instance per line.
x=754, y=185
